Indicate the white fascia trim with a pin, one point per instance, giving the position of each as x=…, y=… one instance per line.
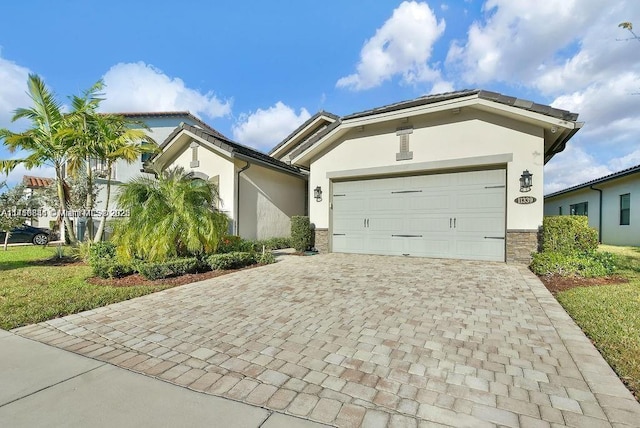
x=193, y=136
x=283, y=149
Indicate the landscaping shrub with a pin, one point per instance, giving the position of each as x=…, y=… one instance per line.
x=301, y=233
x=233, y=243
x=266, y=258
x=101, y=250
x=172, y=267
x=272, y=244
x=110, y=268
x=588, y=265
x=568, y=234
x=233, y=260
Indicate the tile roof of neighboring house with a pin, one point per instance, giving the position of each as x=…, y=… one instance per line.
x=234, y=148
x=435, y=98
x=619, y=174
x=36, y=182
x=172, y=114
x=304, y=125
x=486, y=95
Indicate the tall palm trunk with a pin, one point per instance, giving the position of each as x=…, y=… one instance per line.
x=89, y=202
x=62, y=198
x=103, y=220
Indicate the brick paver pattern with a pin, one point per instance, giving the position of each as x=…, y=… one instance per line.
x=356, y=340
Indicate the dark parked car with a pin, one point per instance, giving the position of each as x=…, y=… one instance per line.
x=36, y=235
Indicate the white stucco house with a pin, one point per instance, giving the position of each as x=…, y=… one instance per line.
x=438, y=176
x=612, y=204
x=258, y=193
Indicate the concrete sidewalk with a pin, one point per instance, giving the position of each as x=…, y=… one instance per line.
x=43, y=386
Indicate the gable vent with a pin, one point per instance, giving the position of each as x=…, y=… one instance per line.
x=404, y=152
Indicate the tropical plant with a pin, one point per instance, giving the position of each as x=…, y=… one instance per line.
x=171, y=216
x=48, y=141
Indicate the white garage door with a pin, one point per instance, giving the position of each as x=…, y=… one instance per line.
x=457, y=215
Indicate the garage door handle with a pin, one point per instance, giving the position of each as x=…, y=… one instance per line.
x=494, y=237
x=367, y=222
x=339, y=234
x=454, y=222
x=450, y=220
x=406, y=236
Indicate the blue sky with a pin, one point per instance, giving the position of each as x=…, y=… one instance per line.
x=255, y=70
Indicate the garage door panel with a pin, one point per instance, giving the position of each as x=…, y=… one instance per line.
x=450, y=215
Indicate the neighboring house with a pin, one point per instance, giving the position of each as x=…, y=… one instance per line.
x=160, y=125
x=33, y=185
x=258, y=192
x=438, y=176
x=612, y=204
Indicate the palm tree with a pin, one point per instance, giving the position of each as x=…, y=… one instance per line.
x=48, y=142
x=173, y=215
x=117, y=140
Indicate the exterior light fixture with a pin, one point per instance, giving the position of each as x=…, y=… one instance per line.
x=526, y=181
x=317, y=193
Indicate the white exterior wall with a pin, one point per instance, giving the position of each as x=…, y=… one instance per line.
x=470, y=134
x=268, y=199
x=613, y=233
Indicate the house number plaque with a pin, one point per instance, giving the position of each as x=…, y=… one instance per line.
x=524, y=200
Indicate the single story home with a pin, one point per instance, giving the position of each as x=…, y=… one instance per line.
x=456, y=175
x=258, y=193
x=612, y=204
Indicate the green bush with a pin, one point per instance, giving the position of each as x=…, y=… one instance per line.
x=110, y=268
x=266, y=258
x=233, y=260
x=301, y=233
x=101, y=250
x=568, y=234
x=233, y=243
x=172, y=267
x=271, y=244
x=586, y=265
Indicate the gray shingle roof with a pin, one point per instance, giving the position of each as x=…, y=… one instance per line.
x=185, y=114
x=486, y=95
x=619, y=174
x=233, y=148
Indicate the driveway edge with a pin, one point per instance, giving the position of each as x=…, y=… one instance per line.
x=616, y=400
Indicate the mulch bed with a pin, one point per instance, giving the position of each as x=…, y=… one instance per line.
x=55, y=261
x=555, y=284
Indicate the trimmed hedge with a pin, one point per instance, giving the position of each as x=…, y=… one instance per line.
x=301, y=233
x=266, y=258
x=172, y=267
x=233, y=260
x=568, y=234
x=110, y=268
x=588, y=265
x=102, y=250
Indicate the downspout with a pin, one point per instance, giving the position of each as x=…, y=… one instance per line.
x=599, y=213
x=246, y=167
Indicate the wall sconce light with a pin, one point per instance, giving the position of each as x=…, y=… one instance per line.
x=526, y=179
x=317, y=193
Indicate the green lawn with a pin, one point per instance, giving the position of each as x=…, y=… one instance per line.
x=32, y=292
x=610, y=316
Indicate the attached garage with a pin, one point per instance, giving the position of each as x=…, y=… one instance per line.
x=451, y=215
x=438, y=176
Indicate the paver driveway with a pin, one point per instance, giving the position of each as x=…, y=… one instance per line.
x=353, y=340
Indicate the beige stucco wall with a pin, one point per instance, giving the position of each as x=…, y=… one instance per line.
x=441, y=137
x=212, y=164
x=613, y=232
x=268, y=199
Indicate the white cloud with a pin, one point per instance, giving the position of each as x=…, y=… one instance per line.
x=140, y=87
x=402, y=46
x=263, y=129
x=13, y=91
x=571, y=167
